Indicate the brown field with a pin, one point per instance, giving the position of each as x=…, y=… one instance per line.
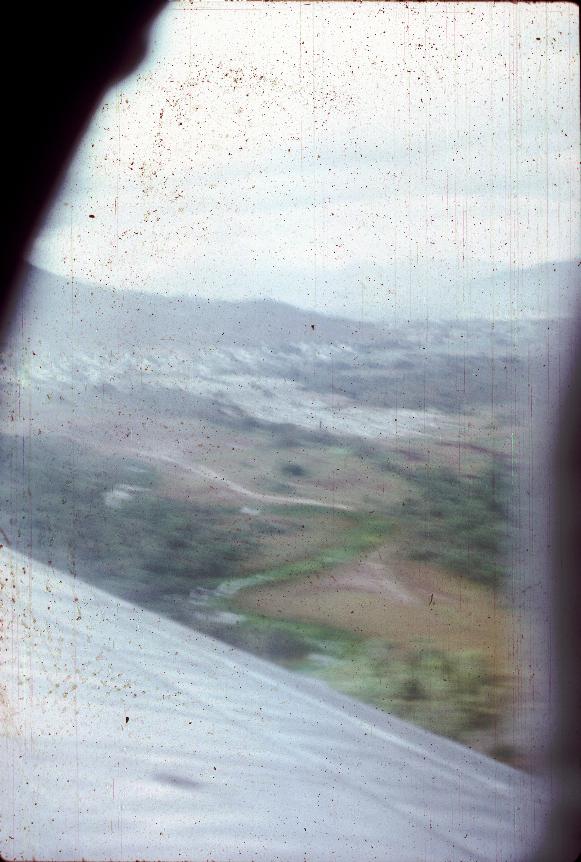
x=406, y=603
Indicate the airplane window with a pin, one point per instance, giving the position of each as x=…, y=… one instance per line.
x=276, y=429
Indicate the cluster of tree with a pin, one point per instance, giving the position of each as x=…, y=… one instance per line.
x=459, y=522
x=58, y=504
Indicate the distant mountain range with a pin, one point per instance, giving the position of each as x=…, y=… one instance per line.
x=394, y=293
x=58, y=313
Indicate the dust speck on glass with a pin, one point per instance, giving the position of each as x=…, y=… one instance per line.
x=275, y=439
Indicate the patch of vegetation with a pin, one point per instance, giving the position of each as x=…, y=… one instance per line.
x=283, y=642
x=292, y=643
x=453, y=694
x=103, y=519
x=359, y=534
x=459, y=522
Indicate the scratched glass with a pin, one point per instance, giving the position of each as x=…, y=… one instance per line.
x=276, y=499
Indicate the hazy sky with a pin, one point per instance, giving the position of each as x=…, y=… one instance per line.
x=345, y=157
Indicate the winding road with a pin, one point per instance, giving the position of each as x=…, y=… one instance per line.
x=223, y=482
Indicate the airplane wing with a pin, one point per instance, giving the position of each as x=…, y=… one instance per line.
x=128, y=736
